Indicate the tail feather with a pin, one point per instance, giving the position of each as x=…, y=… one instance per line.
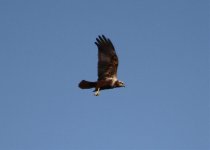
x=87, y=84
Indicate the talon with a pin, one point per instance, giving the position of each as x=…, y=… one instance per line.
x=97, y=92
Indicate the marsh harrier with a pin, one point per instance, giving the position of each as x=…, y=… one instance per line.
x=107, y=67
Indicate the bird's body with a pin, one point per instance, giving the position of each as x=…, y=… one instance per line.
x=107, y=67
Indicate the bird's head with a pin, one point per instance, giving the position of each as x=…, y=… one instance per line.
x=119, y=84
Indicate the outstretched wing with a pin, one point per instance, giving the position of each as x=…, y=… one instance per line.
x=107, y=58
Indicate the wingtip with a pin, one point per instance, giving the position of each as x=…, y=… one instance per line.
x=101, y=36
x=96, y=44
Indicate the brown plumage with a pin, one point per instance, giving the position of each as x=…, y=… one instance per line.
x=107, y=67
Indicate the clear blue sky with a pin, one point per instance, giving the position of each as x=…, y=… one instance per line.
x=47, y=48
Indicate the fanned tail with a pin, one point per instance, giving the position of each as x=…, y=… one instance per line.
x=87, y=84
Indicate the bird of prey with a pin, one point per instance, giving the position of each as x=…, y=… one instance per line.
x=107, y=67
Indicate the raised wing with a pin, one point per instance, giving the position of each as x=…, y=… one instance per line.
x=107, y=58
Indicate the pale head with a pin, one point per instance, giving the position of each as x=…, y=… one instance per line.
x=119, y=84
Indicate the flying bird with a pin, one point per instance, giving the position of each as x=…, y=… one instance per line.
x=107, y=68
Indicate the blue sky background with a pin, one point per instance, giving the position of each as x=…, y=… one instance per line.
x=47, y=47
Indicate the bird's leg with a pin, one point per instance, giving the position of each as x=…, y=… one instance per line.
x=97, y=92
